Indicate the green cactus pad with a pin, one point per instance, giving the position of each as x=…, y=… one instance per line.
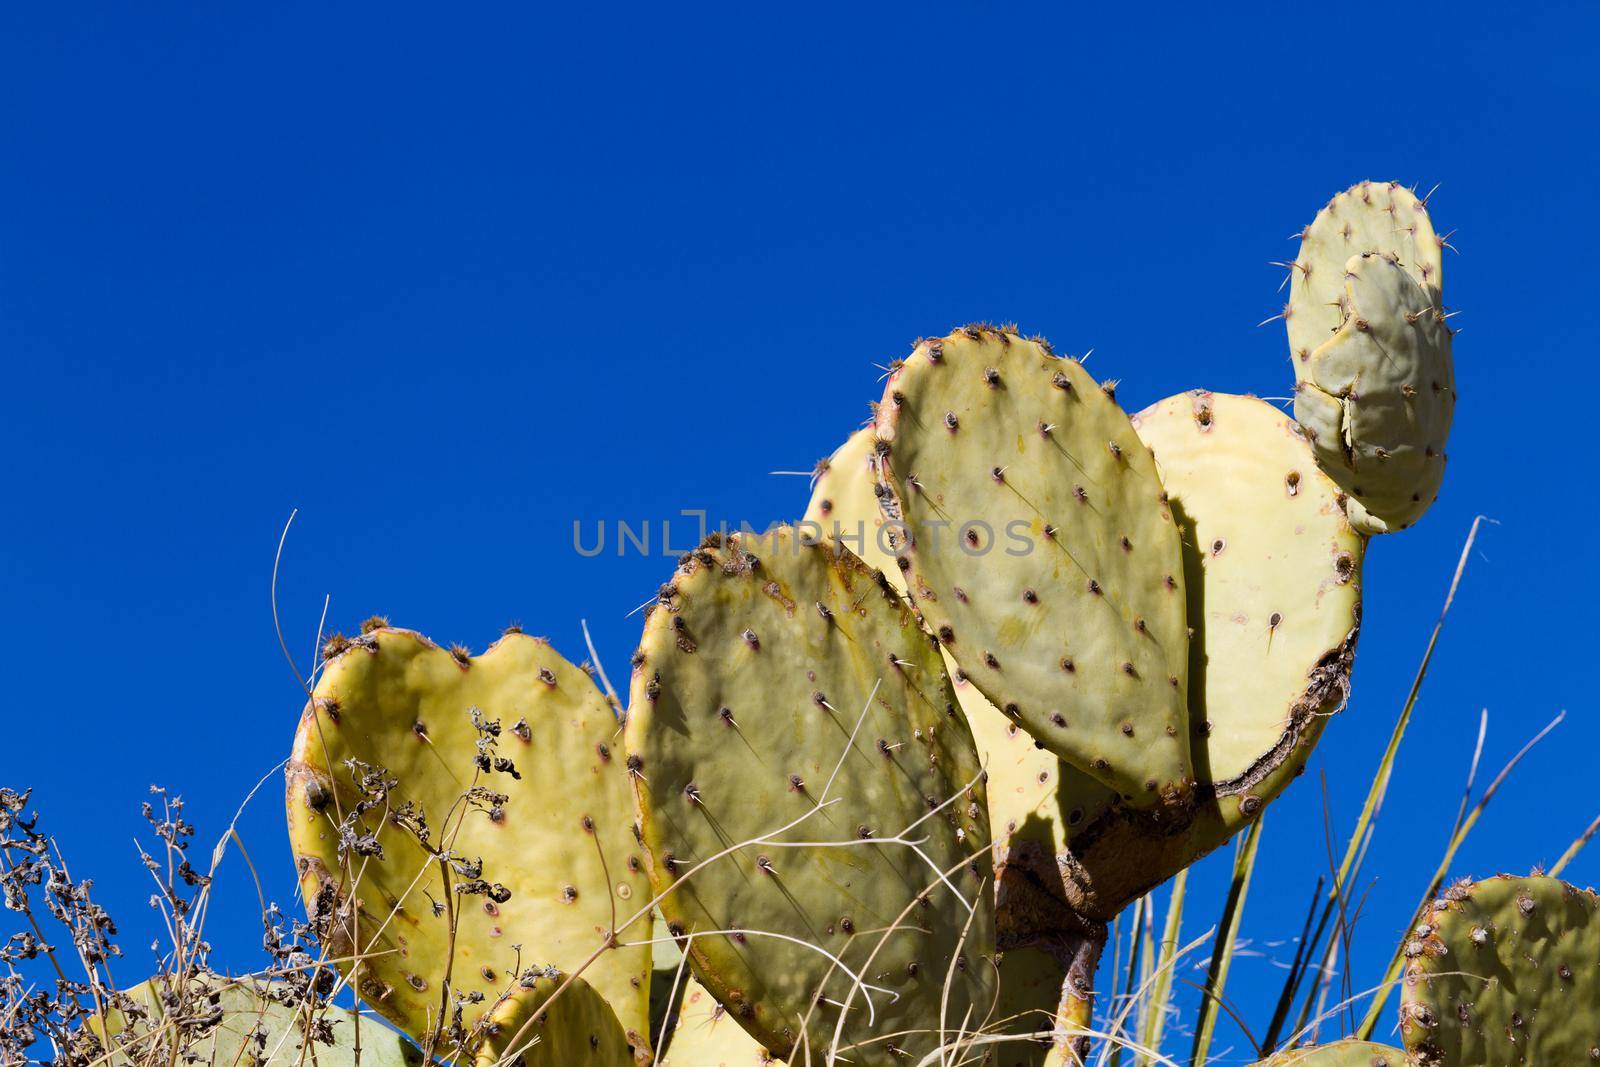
x=707, y=1036
x=579, y=1028
x=1384, y=218
x=1041, y=551
x=1035, y=797
x=207, y=1018
x=560, y=842
x=1504, y=972
x=1273, y=573
x=1378, y=397
x=773, y=676
x=1338, y=1054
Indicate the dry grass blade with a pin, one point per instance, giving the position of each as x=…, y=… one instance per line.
x=1575, y=848
x=1244, y=866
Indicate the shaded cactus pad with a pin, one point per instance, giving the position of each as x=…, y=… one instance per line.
x=1041, y=551
x=207, y=1018
x=555, y=842
x=781, y=684
x=1338, y=1054
x=1506, y=972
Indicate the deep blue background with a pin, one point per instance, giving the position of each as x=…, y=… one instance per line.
x=447, y=282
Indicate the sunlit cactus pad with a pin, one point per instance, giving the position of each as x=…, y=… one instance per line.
x=1504, y=972
x=1385, y=218
x=1034, y=795
x=1377, y=398
x=558, y=856
x=707, y=1036
x=550, y=1020
x=781, y=684
x=1041, y=551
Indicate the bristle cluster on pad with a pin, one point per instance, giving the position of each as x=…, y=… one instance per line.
x=1041, y=552
x=1504, y=971
x=526, y=863
x=790, y=731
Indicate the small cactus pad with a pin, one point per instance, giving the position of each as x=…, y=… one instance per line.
x=578, y=1029
x=1272, y=570
x=1384, y=218
x=781, y=683
x=707, y=1036
x=554, y=840
x=1506, y=972
x=1035, y=797
x=1041, y=551
x=1338, y=1054
x=1378, y=397
x=210, y=1019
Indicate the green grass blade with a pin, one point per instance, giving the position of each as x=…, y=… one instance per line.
x=1155, y=1006
x=1355, y=850
x=1244, y=866
x=1297, y=970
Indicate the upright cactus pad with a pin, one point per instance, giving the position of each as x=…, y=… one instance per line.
x=1338, y=1054
x=707, y=1036
x=1035, y=797
x=1273, y=573
x=1378, y=397
x=209, y=1019
x=538, y=863
x=781, y=684
x=1384, y=218
x=1041, y=551
x=575, y=1029
x=1506, y=972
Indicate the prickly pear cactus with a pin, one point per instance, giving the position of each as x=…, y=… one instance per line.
x=707, y=1036
x=389, y=773
x=1385, y=218
x=1041, y=551
x=1374, y=378
x=1338, y=1054
x=533, y=1027
x=207, y=1018
x=1273, y=573
x=1506, y=972
x=788, y=723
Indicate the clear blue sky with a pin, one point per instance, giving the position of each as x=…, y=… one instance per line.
x=448, y=283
